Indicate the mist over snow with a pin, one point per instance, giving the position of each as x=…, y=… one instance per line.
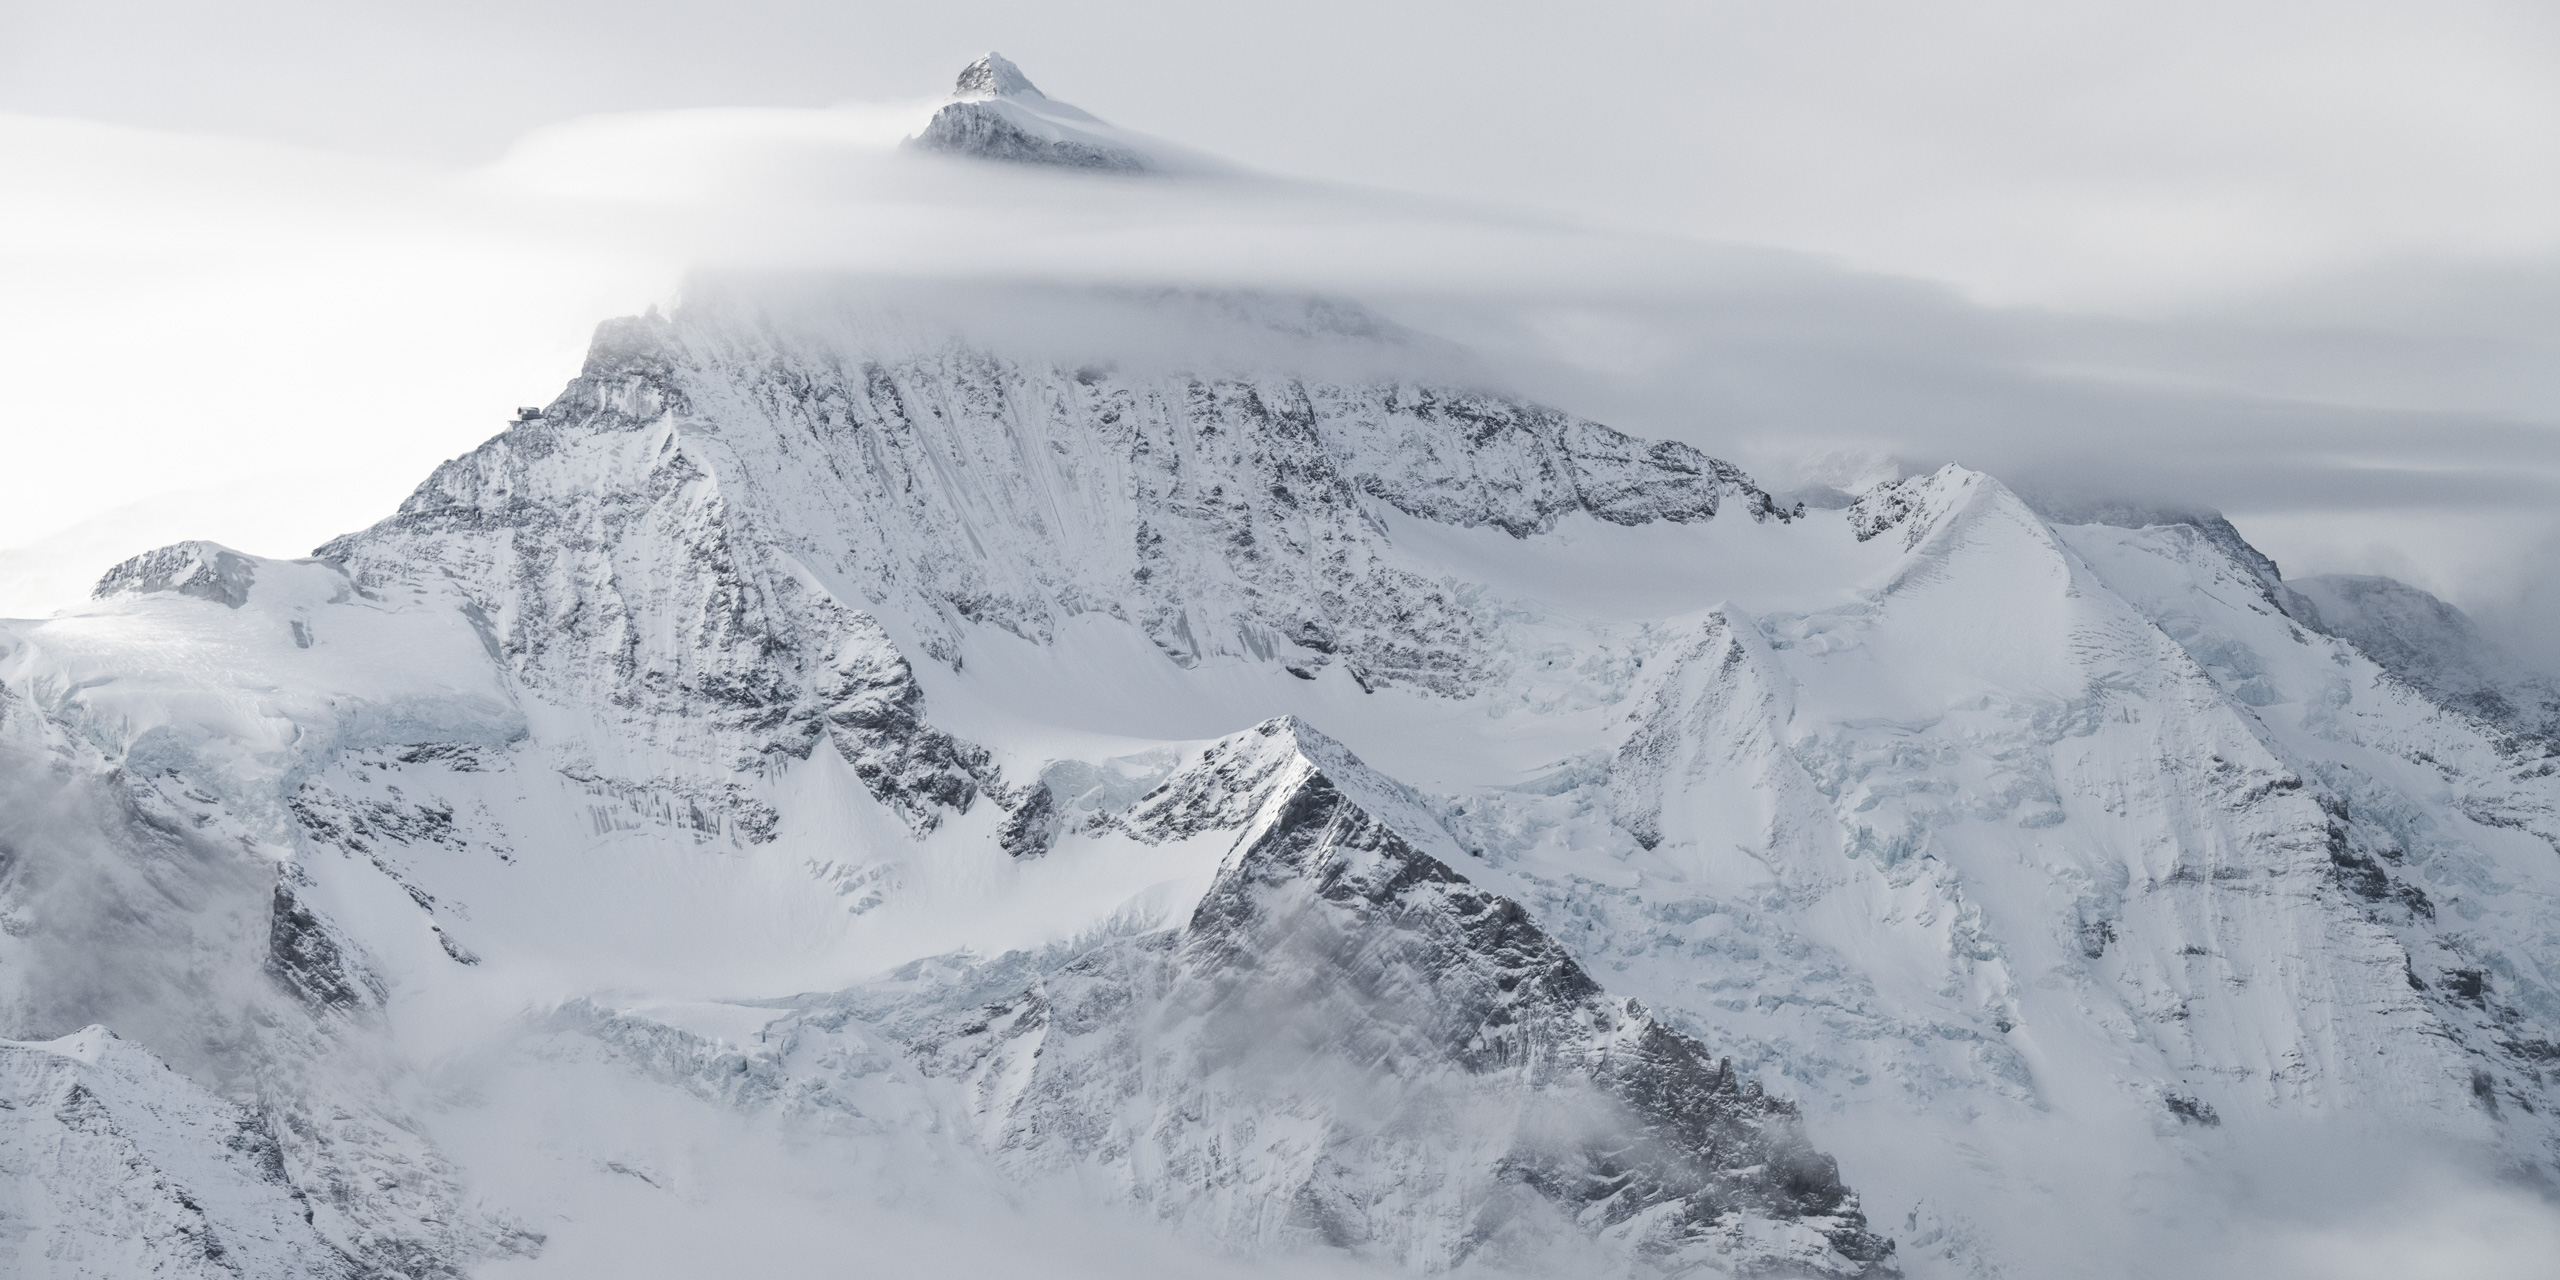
x=1845, y=644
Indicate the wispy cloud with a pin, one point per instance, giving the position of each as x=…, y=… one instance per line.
x=201, y=309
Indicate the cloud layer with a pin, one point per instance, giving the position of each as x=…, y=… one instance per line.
x=199, y=311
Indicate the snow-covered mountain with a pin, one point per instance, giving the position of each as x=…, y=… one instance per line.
x=1161, y=783
x=996, y=113
x=2434, y=646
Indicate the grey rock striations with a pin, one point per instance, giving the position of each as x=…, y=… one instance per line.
x=993, y=76
x=677, y=538
x=706, y=563
x=610, y=567
x=140, y=888
x=769, y=466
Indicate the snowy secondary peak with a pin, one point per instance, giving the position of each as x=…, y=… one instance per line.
x=998, y=114
x=205, y=570
x=994, y=76
x=1238, y=775
x=1332, y=940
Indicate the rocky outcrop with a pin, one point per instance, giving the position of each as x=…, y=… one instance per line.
x=204, y=570
x=1913, y=504
x=308, y=959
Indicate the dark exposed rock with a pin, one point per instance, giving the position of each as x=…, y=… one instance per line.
x=2094, y=937
x=1886, y=506
x=2470, y=986
x=872, y=706
x=1239, y=507
x=1028, y=831
x=765, y=666
x=126, y=1150
x=2190, y=1111
x=306, y=956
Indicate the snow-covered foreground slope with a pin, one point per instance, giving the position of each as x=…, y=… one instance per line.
x=846, y=778
x=117, y=1166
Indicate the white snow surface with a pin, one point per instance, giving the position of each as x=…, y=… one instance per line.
x=665, y=822
x=118, y=1166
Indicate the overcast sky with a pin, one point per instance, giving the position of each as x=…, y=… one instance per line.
x=2300, y=260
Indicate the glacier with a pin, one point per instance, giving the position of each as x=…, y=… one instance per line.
x=1203, y=782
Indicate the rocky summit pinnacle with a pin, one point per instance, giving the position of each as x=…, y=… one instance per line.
x=994, y=76
x=996, y=113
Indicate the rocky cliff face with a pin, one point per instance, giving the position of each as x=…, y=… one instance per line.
x=699, y=527
x=832, y=728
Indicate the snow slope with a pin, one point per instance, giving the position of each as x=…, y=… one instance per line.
x=1259, y=796
x=119, y=1166
x=2434, y=646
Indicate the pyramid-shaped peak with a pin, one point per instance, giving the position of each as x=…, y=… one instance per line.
x=995, y=76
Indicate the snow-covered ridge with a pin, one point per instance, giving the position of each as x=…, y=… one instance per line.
x=1264, y=783
x=118, y=1166
x=201, y=569
x=774, y=480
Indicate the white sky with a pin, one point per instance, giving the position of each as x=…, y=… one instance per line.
x=288, y=255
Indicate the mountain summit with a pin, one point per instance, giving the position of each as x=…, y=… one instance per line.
x=1079, y=781
x=996, y=113
x=994, y=76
